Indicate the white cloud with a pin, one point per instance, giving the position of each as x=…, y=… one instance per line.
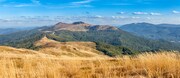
x=90, y=17
x=176, y=12
x=121, y=4
x=140, y=13
x=23, y=5
x=118, y=17
x=82, y=2
x=148, y=18
x=12, y=4
x=153, y=13
x=18, y=5
x=135, y=17
x=98, y=16
x=120, y=12
x=37, y=2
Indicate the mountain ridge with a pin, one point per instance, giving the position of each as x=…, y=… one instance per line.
x=79, y=26
x=169, y=32
x=106, y=39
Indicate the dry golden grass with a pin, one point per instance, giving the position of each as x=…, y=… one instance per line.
x=82, y=61
x=71, y=49
x=160, y=65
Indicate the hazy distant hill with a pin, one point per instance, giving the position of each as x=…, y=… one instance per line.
x=8, y=30
x=108, y=39
x=167, y=32
x=4, y=31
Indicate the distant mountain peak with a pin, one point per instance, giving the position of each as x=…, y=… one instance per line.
x=142, y=23
x=59, y=23
x=76, y=26
x=79, y=22
x=81, y=26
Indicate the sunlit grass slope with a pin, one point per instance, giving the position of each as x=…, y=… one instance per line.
x=68, y=49
x=82, y=60
x=160, y=65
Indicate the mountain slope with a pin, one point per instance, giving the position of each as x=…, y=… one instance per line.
x=114, y=37
x=5, y=31
x=102, y=38
x=23, y=39
x=167, y=32
x=72, y=49
x=53, y=49
x=9, y=31
x=78, y=26
x=11, y=52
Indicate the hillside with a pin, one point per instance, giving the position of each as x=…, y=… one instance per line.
x=148, y=65
x=167, y=32
x=10, y=52
x=112, y=37
x=71, y=49
x=8, y=31
x=53, y=49
x=101, y=38
x=17, y=63
x=5, y=31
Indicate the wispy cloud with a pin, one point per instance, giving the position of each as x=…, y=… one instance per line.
x=37, y=2
x=118, y=17
x=22, y=4
x=176, y=12
x=120, y=12
x=155, y=14
x=121, y=4
x=140, y=13
x=147, y=13
x=82, y=2
x=148, y=18
x=135, y=17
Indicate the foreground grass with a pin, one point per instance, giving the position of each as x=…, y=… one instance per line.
x=163, y=65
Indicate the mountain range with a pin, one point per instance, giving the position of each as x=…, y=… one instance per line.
x=109, y=40
x=5, y=31
x=8, y=31
x=79, y=26
x=168, y=32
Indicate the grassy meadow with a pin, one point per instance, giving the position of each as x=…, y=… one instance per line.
x=147, y=65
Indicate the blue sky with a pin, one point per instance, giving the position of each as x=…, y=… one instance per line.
x=112, y=12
